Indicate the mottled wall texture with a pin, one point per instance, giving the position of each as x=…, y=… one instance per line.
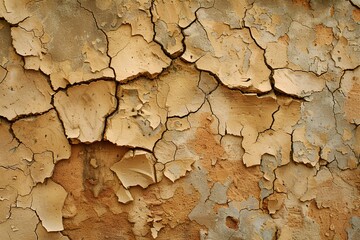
x=179, y=119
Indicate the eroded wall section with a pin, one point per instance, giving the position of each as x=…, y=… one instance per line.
x=196, y=119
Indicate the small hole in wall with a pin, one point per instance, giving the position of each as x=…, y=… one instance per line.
x=232, y=223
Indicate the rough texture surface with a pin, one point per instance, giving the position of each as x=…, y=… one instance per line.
x=195, y=119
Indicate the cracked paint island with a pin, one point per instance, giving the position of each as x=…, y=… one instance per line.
x=194, y=119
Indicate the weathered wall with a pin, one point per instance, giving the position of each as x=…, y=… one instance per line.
x=169, y=119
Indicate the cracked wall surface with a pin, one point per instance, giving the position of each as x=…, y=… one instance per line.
x=169, y=119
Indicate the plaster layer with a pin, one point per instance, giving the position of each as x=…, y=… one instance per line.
x=194, y=119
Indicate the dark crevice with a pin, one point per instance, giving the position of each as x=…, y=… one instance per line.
x=29, y=115
x=106, y=37
x=85, y=83
x=175, y=55
x=111, y=114
x=354, y=5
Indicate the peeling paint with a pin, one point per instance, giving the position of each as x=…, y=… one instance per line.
x=195, y=119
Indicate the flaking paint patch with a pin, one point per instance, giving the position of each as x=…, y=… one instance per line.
x=48, y=200
x=95, y=101
x=194, y=119
x=136, y=168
